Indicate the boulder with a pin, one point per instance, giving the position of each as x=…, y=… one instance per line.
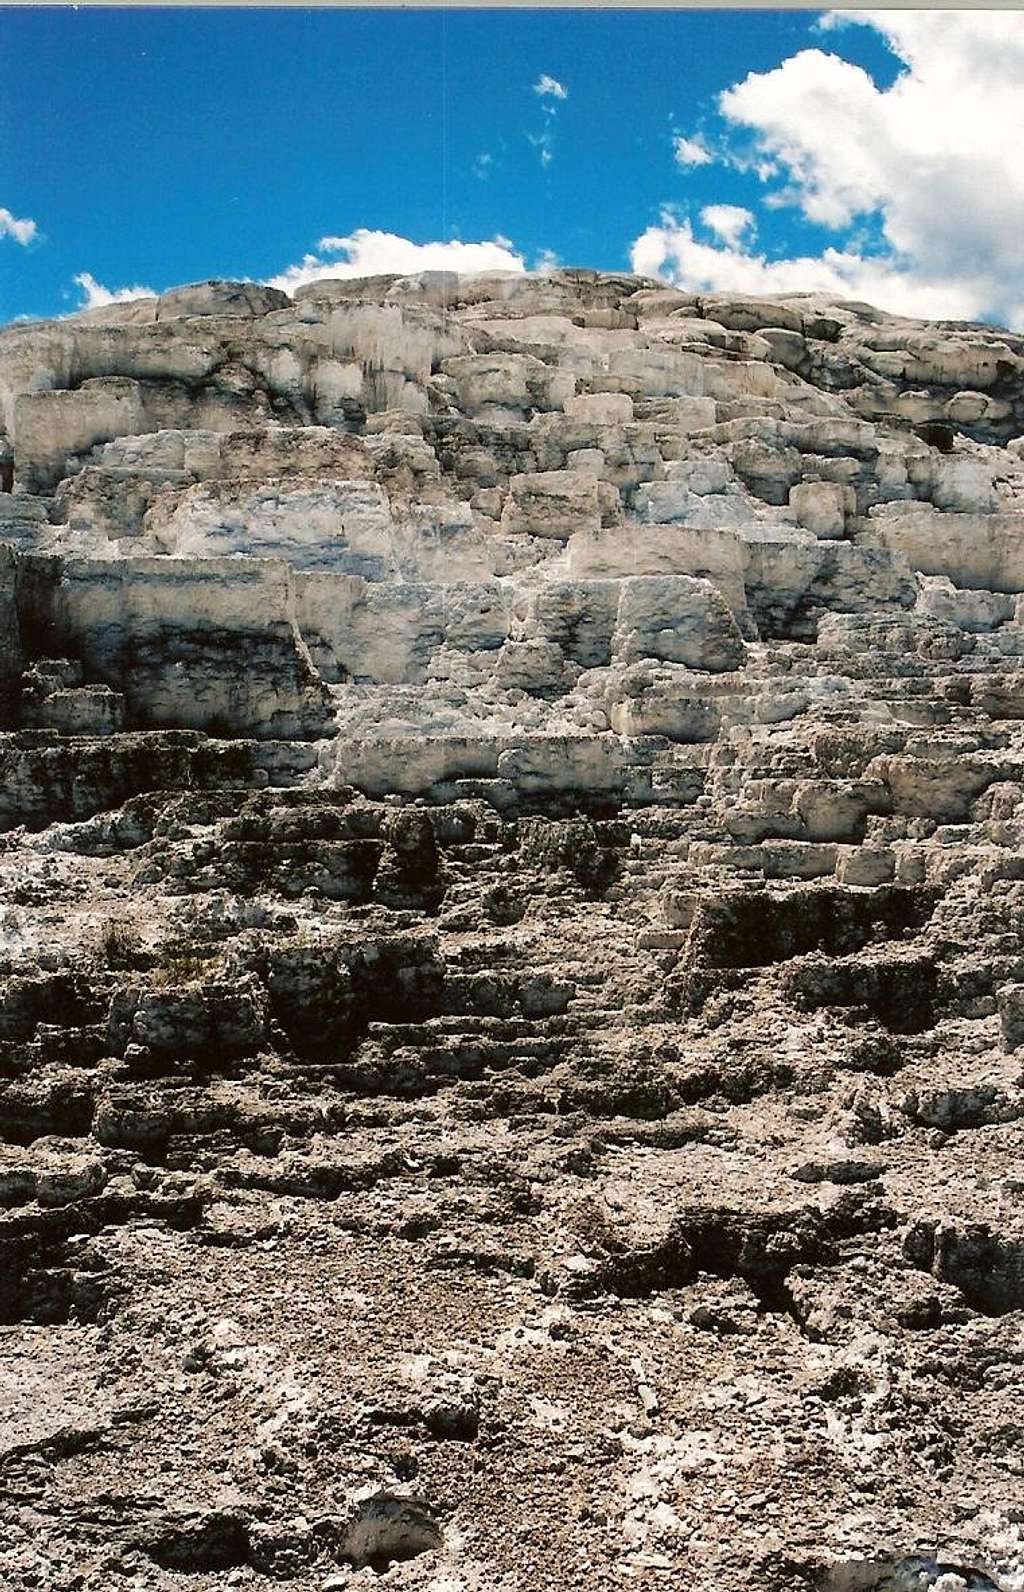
x=677, y=618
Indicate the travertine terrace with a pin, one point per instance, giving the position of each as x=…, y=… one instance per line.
x=513, y=943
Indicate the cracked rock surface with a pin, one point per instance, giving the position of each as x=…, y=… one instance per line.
x=511, y=943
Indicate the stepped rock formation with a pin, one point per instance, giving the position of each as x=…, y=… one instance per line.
x=513, y=942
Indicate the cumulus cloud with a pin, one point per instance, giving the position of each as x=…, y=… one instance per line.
x=728, y=222
x=672, y=251
x=95, y=296
x=690, y=152
x=546, y=84
x=930, y=165
x=22, y=229
x=369, y=253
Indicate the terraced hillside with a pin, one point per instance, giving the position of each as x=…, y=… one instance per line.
x=513, y=943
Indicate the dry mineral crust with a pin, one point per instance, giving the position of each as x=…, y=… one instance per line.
x=512, y=963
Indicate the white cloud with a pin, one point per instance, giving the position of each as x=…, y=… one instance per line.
x=933, y=160
x=95, y=296
x=544, y=141
x=22, y=230
x=671, y=251
x=690, y=152
x=546, y=84
x=482, y=166
x=370, y=253
x=728, y=222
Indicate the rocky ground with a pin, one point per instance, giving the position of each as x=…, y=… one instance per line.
x=512, y=943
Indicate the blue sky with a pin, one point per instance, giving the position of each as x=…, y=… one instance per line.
x=151, y=147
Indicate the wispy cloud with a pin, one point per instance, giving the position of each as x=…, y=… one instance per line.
x=369, y=253
x=95, y=296
x=543, y=143
x=546, y=84
x=549, y=89
x=691, y=152
x=21, y=228
x=482, y=166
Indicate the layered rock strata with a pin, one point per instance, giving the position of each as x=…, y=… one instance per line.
x=512, y=988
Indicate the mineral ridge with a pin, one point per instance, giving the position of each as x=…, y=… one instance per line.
x=512, y=999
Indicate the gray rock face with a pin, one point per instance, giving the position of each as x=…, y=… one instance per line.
x=512, y=980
